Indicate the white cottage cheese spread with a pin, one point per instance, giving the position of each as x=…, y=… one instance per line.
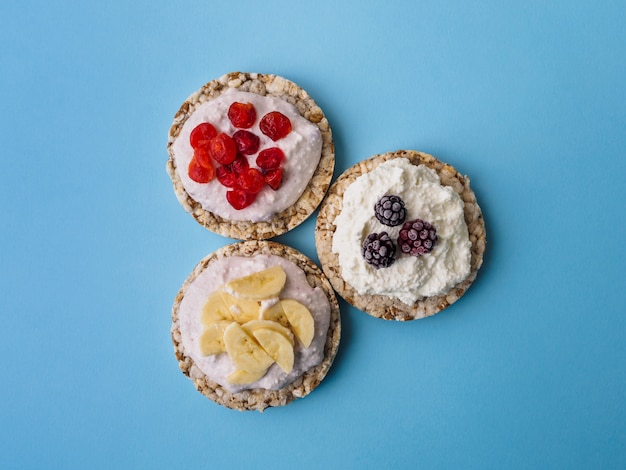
x=409, y=278
x=302, y=148
x=218, y=367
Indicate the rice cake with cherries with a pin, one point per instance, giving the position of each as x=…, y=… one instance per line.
x=239, y=224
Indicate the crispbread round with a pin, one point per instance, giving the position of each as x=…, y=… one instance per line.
x=313, y=194
x=385, y=307
x=259, y=399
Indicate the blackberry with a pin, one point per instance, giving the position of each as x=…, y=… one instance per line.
x=417, y=237
x=379, y=250
x=390, y=210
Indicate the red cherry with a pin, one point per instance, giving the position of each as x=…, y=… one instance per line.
x=251, y=181
x=223, y=149
x=225, y=176
x=270, y=158
x=201, y=155
x=240, y=164
x=199, y=173
x=247, y=142
x=274, y=178
x=275, y=125
x=242, y=115
x=201, y=134
x=239, y=199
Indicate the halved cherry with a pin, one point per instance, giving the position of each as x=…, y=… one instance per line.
x=242, y=115
x=270, y=158
x=201, y=134
x=251, y=181
x=201, y=155
x=199, y=173
x=225, y=176
x=274, y=178
x=240, y=164
x=223, y=149
x=239, y=199
x=247, y=142
x=275, y=125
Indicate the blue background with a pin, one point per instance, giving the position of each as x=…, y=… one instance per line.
x=527, y=370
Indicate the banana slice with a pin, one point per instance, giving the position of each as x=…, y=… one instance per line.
x=277, y=346
x=242, y=310
x=259, y=286
x=211, y=340
x=242, y=377
x=244, y=351
x=300, y=319
x=275, y=313
x=215, y=309
x=256, y=325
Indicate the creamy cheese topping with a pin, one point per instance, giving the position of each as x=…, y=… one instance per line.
x=302, y=148
x=408, y=278
x=218, y=367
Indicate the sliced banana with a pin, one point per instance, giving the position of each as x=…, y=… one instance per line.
x=259, y=286
x=279, y=348
x=242, y=310
x=242, y=377
x=215, y=309
x=275, y=313
x=244, y=351
x=255, y=325
x=300, y=319
x=254, y=336
x=211, y=340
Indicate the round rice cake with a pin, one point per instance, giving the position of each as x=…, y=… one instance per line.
x=275, y=223
x=251, y=397
x=384, y=306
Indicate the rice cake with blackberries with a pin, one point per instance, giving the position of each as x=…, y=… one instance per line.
x=365, y=277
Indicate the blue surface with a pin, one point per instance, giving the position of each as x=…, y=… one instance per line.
x=527, y=370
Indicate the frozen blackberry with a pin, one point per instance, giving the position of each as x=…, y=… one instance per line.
x=390, y=210
x=379, y=250
x=417, y=237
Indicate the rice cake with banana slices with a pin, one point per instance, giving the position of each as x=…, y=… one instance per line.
x=283, y=155
x=400, y=235
x=255, y=325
